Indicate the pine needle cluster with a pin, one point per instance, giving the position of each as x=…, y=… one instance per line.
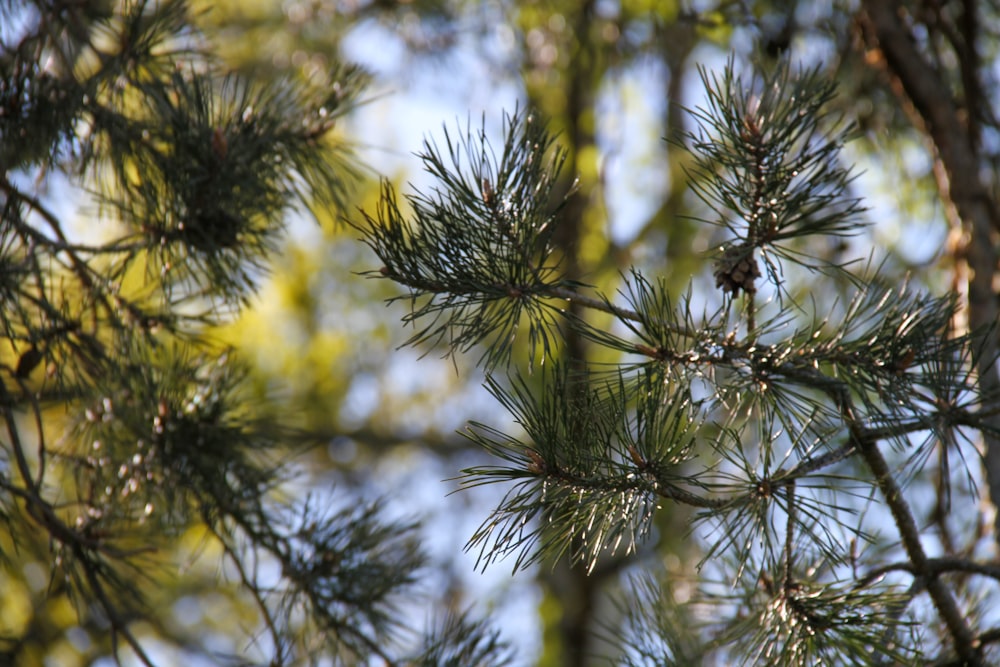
x=792, y=430
x=132, y=450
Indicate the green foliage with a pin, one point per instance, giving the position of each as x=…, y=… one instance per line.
x=593, y=465
x=767, y=165
x=477, y=251
x=170, y=435
x=215, y=169
x=457, y=643
x=134, y=451
x=343, y=573
x=782, y=423
x=794, y=429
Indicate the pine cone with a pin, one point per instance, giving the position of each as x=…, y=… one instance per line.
x=737, y=269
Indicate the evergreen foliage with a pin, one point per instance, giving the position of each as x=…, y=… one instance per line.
x=793, y=425
x=127, y=432
x=478, y=246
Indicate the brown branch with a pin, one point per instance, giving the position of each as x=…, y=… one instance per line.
x=118, y=624
x=969, y=61
x=83, y=548
x=942, y=597
x=990, y=636
x=632, y=482
x=935, y=112
x=249, y=582
x=538, y=291
x=81, y=268
x=790, y=536
x=603, y=306
x=937, y=566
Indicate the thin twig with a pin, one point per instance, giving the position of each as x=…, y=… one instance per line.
x=937, y=566
x=942, y=597
x=789, y=534
x=617, y=311
x=118, y=624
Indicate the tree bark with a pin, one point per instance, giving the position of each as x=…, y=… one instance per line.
x=953, y=131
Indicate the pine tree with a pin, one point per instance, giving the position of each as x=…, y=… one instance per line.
x=132, y=449
x=819, y=423
x=803, y=429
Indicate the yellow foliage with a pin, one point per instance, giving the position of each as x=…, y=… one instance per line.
x=594, y=240
x=15, y=606
x=664, y=11
x=216, y=9
x=62, y=612
x=587, y=165
x=62, y=653
x=198, y=543
x=714, y=27
x=551, y=612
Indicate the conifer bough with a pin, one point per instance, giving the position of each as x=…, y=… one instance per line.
x=136, y=465
x=792, y=426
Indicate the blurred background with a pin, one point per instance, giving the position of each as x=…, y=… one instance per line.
x=614, y=80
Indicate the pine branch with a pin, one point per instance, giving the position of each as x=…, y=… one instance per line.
x=475, y=252
x=938, y=566
x=935, y=109
x=965, y=645
x=603, y=449
x=161, y=435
